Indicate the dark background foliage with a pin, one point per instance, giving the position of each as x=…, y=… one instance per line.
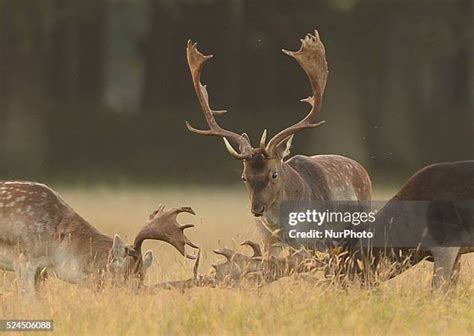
x=100, y=89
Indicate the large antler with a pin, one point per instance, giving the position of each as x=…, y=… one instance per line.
x=312, y=58
x=196, y=61
x=163, y=226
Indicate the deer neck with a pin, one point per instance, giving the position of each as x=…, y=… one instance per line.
x=294, y=187
x=83, y=249
x=99, y=252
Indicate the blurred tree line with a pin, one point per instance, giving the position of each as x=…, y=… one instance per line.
x=101, y=88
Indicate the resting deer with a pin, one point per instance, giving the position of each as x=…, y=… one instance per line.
x=257, y=268
x=271, y=180
x=39, y=231
x=261, y=267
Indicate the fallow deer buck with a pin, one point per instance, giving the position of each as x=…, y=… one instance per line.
x=39, y=231
x=271, y=180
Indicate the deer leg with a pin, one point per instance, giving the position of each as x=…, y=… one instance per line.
x=456, y=270
x=25, y=272
x=445, y=262
x=268, y=240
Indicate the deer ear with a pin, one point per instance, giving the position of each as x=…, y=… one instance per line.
x=283, y=148
x=119, y=249
x=147, y=259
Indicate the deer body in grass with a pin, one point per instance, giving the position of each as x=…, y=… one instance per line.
x=253, y=269
x=39, y=231
x=446, y=191
x=431, y=218
x=270, y=177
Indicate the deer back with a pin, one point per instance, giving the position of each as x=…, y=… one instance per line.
x=37, y=221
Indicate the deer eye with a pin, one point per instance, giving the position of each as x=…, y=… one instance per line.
x=274, y=175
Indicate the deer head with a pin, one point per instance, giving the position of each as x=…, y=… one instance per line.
x=263, y=173
x=126, y=261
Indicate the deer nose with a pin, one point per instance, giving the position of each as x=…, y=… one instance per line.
x=258, y=211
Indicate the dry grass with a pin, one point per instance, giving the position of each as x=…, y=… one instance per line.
x=404, y=305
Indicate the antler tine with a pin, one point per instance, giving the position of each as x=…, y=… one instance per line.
x=164, y=226
x=196, y=266
x=225, y=252
x=196, y=62
x=158, y=210
x=263, y=139
x=257, y=252
x=312, y=58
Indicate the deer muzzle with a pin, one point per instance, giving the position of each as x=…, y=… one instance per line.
x=258, y=209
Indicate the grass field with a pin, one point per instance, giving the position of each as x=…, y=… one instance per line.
x=404, y=305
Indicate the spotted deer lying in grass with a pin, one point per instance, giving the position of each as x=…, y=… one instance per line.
x=269, y=177
x=39, y=231
x=261, y=267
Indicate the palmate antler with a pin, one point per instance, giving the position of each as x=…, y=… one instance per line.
x=196, y=62
x=164, y=226
x=257, y=268
x=238, y=266
x=311, y=57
